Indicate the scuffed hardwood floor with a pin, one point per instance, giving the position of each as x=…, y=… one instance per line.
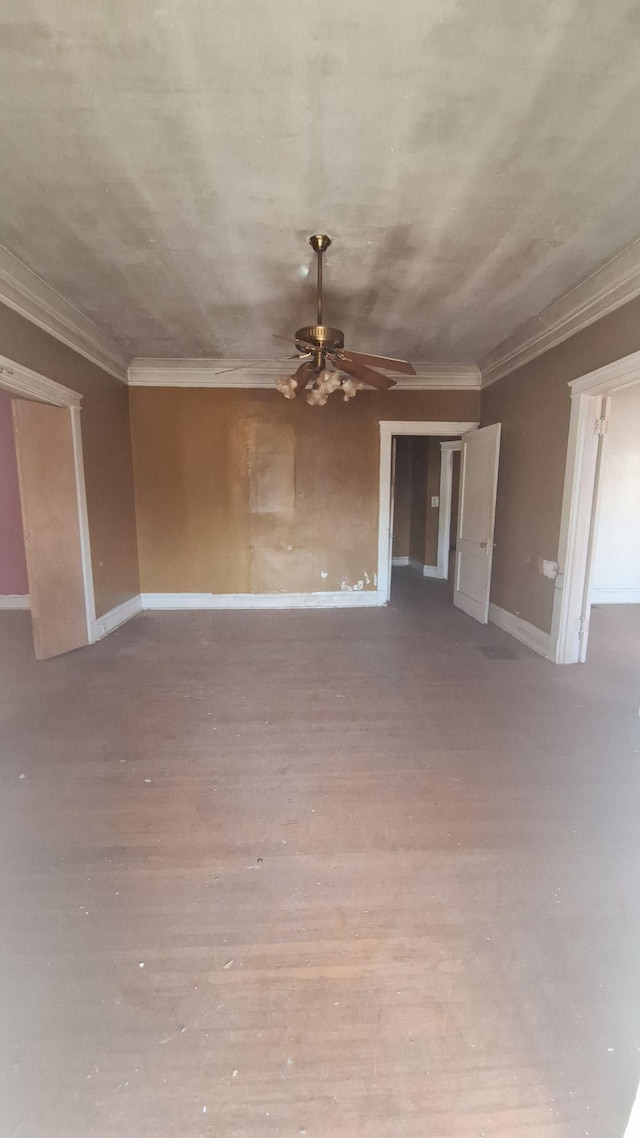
x=367, y=874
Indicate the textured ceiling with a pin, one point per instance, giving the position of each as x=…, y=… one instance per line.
x=164, y=162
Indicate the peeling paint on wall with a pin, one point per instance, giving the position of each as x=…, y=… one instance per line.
x=348, y=586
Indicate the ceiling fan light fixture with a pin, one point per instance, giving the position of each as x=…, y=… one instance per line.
x=287, y=386
x=316, y=397
x=350, y=389
x=328, y=381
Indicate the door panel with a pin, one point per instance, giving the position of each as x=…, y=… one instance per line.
x=476, y=515
x=52, y=529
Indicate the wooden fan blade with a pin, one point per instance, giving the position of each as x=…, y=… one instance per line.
x=402, y=366
x=303, y=375
x=365, y=374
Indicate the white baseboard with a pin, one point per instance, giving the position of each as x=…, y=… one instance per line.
x=424, y=570
x=15, y=601
x=346, y=598
x=115, y=617
x=399, y=562
x=615, y=597
x=526, y=633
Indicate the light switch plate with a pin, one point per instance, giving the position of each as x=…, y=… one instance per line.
x=435, y=502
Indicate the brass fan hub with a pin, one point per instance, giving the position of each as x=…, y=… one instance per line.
x=322, y=338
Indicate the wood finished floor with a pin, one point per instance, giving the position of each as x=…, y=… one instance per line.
x=368, y=874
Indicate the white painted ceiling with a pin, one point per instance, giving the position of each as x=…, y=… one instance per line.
x=164, y=162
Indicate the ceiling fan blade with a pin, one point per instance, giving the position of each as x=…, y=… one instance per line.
x=303, y=375
x=402, y=366
x=256, y=363
x=364, y=374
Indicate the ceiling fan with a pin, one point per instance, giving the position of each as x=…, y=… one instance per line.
x=327, y=365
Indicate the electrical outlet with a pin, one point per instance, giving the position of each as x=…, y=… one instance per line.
x=435, y=502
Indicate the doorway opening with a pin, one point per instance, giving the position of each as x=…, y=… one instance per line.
x=480, y=450
x=390, y=432
x=46, y=461
x=426, y=479
x=598, y=583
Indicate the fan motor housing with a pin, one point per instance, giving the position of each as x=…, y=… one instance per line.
x=323, y=338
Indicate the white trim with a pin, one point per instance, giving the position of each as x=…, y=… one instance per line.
x=615, y=596
x=421, y=568
x=83, y=519
x=447, y=451
x=15, y=601
x=389, y=428
x=571, y=605
x=346, y=598
x=612, y=377
x=24, y=383
x=526, y=633
x=399, y=562
x=612, y=285
x=112, y=619
x=262, y=374
x=28, y=294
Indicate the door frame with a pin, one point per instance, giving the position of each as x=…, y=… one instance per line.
x=589, y=403
x=447, y=451
x=389, y=428
x=23, y=383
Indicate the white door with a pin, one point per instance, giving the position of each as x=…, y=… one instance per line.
x=476, y=516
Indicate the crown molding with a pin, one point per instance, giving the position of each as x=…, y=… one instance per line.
x=25, y=292
x=263, y=373
x=612, y=285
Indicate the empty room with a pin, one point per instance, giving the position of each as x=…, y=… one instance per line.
x=319, y=569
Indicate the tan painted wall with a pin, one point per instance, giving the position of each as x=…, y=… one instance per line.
x=106, y=447
x=533, y=405
x=243, y=491
x=402, y=496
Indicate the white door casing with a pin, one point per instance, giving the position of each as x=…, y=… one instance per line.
x=476, y=519
x=31, y=388
x=570, y=626
x=389, y=428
